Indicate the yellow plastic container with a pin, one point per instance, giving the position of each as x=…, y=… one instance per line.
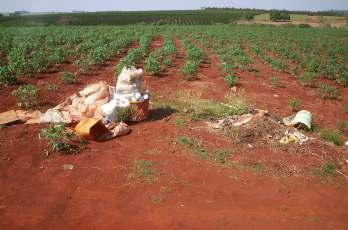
x=90, y=128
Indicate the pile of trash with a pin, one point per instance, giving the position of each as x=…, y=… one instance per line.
x=259, y=125
x=94, y=109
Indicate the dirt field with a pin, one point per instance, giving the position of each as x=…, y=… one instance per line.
x=313, y=21
x=267, y=188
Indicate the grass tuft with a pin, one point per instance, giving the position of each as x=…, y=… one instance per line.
x=327, y=170
x=220, y=156
x=327, y=92
x=144, y=170
x=332, y=136
x=189, y=102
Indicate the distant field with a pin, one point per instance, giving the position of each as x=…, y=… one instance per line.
x=302, y=18
x=188, y=17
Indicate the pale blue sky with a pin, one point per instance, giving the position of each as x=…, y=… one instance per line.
x=104, y=5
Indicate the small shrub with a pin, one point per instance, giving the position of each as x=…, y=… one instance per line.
x=6, y=76
x=27, y=96
x=179, y=122
x=59, y=55
x=308, y=79
x=189, y=70
x=327, y=91
x=67, y=77
x=98, y=55
x=294, y=103
x=231, y=80
x=227, y=67
x=59, y=140
x=277, y=15
x=326, y=170
x=343, y=78
x=278, y=65
x=168, y=62
x=332, y=136
x=83, y=65
x=152, y=65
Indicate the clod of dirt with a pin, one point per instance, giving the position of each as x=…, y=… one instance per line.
x=68, y=166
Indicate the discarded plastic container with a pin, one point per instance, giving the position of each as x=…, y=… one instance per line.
x=90, y=128
x=303, y=117
x=140, y=110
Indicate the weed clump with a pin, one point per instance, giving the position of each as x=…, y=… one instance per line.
x=295, y=104
x=67, y=77
x=152, y=65
x=308, y=79
x=60, y=140
x=332, y=136
x=189, y=102
x=327, y=170
x=327, y=91
x=27, y=96
x=220, y=156
x=144, y=170
x=6, y=76
x=231, y=80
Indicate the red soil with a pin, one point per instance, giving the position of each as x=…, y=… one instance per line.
x=189, y=194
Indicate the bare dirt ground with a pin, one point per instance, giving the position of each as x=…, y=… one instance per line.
x=186, y=192
x=313, y=21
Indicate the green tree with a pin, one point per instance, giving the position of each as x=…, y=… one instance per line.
x=277, y=16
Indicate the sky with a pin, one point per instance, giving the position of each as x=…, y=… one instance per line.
x=110, y=5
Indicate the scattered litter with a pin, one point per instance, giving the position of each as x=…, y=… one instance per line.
x=250, y=146
x=236, y=121
x=346, y=143
x=68, y=166
x=94, y=108
x=275, y=95
x=293, y=136
x=303, y=117
x=242, y=120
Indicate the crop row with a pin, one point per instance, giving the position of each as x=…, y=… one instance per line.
x=134, y=55
x=161, y=57
x=194, y=57
x=27, y=51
